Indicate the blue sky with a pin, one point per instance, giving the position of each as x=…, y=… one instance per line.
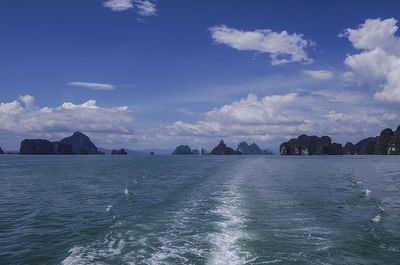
x=141, y=73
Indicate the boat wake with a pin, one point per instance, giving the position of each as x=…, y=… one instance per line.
x=203, y=229
x=228, y=241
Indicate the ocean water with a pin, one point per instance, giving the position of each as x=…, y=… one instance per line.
x=199, y=210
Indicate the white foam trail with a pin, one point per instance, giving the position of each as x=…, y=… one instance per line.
x=377, y=219
x=270, y=262
x=175, y=249
x=227, y=249
x=108, y=208
x=77, y=257
x=110, y=247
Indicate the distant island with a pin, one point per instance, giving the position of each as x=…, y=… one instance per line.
x=252, y=149
x=119, y=152
x=310, y=145
x=76, y=144
x=183, y=150
x=222, y=149
x=387, y=143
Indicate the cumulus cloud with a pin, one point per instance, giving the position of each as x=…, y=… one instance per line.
x=319, y=74
x=279, y=117
x=282, y=47
x=24, y=118
x=93, y=86
x=248, y=118
x=28, y=100
x=142, y=7
x=379, y=62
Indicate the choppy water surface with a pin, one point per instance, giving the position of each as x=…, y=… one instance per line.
x=199, y=210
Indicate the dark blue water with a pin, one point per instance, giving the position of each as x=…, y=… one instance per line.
x=199, y=210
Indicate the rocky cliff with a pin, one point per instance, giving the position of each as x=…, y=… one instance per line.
x=366, y=146
x=222, y=149
x=62, y=148
x=81, y=144
x=36, y=147
x=393, y=148
x=387, y=143
x=310, y=145
x=382, y=144
x=78, y=143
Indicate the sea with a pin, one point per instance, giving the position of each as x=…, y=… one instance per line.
x=199, y=209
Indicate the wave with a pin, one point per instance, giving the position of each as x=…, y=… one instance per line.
x=377, y=218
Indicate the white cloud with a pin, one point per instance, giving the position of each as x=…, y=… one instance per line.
x=146, y=8
x=34, y=122
x=142, y=7
x=90, y=104
x=118, y=5
x=345, y=116
x=319, y=74
x=251, y=110
x=251, y=117
x=379, y=63
x=28, y=100
x=374, y=33
x=282, y=47
x=93, y=86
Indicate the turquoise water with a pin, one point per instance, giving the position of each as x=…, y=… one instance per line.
x=199, y=210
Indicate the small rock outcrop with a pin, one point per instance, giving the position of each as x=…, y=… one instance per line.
x=1, y=151
x=81, y=144
x=36, y=147
x=203, y=151
x=119, y=152
x=222, y=149
x=183, y=150
x=310, y=145
x=252, y=149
